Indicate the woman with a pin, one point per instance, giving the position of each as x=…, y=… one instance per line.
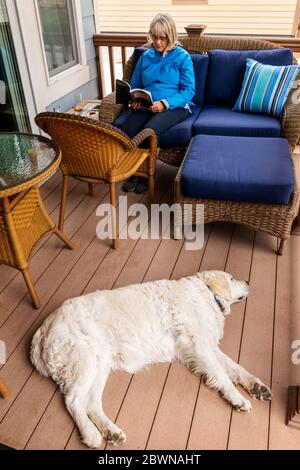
x=166, y=70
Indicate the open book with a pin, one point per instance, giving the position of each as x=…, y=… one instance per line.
x=125, y=94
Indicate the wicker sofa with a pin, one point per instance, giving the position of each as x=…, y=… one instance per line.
x=173, y=154
x=275, y=219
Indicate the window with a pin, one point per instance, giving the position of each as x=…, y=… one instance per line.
x=59, y=36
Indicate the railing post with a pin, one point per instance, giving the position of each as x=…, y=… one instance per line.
x=194, y=31
x=99, y=70
x=112, y=67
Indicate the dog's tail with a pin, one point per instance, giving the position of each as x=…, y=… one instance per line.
x=37, y=347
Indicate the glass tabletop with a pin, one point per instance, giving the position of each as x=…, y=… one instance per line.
x=24, y=157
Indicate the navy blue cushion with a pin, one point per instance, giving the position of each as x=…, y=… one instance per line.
x=220, y=120
x=238, y=169
x=177, y=136
x=200, y=63
x=138, y=51
x=227, y=69
x=180, y=134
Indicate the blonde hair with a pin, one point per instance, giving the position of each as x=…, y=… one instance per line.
x=163, y=23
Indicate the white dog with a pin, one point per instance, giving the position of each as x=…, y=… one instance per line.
x=131, y=327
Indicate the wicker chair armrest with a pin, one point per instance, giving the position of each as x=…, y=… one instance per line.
x=127, y=164
x=109, y=110
x=291, y=114
x=140, y=137
x=291, y=124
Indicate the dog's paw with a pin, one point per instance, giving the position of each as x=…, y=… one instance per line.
x=116, y=438
x=242, y=405
x=260, y=391
x=93, y=439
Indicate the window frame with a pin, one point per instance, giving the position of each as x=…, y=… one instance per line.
x=74, y=37
x=63, y=70
x=42, y=88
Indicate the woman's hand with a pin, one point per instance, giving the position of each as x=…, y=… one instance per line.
x=157, y=107
x=136, y=105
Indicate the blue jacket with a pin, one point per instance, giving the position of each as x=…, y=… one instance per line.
x=170, y=78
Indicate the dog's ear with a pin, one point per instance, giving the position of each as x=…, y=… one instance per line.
x=206, y=276
x=217, y=282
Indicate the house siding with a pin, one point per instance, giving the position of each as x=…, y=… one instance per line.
x=257, y=17
x=89, y=89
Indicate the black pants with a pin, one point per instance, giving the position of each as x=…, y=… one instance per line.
x=159, y=122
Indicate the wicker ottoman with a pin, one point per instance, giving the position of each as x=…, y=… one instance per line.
x=219, y=172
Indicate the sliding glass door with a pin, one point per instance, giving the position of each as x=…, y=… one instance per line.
x=13, y=112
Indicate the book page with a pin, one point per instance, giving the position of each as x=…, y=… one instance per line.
x=142, y=96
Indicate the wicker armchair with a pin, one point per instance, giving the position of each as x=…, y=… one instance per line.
x=98, y=153
x=109, y=110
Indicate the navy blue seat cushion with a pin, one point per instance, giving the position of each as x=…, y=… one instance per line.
x=200, y=63
x=176, y=136
x=221, y=120
x=227, y=69
x=180, y=134
x=238, y=169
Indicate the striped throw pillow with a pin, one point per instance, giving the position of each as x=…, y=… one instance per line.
x=265, y=88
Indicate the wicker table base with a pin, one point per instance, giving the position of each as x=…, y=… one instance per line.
x=23, y=222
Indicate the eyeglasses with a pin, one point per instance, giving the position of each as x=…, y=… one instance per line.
x=154, y=38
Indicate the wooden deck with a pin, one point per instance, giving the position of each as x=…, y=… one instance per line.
x=165, y=407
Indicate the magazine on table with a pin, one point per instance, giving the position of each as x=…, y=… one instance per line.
x=125, y=94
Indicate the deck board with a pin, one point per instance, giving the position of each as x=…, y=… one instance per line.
x=164, y=407
x=50, y=192
x=149, y=391
x=91, y=269
x=16, y=290
x=250, y=430
x=286, y=330
x=161, y=266
x=211, y=406
x=208, y=402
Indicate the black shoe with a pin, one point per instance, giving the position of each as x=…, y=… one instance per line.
x=142, y=186
x=131, y=184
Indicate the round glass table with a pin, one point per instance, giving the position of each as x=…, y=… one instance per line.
x=25, y=161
